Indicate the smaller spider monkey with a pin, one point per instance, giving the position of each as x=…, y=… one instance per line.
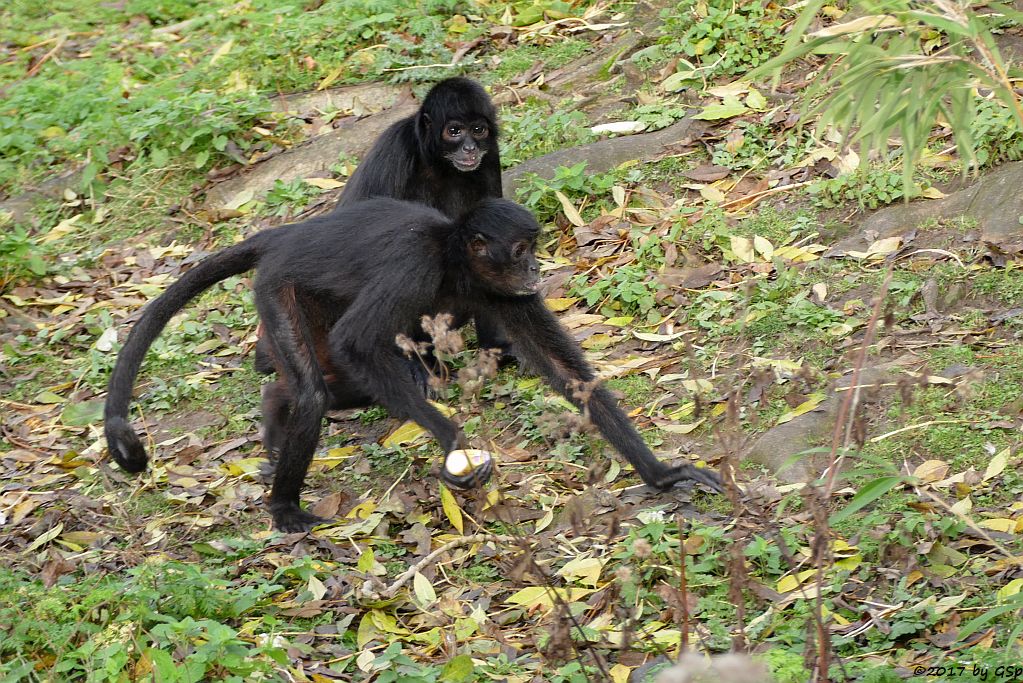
x=445, y=155
x=334, y=292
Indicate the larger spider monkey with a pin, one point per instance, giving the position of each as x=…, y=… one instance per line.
x=445, y=156
x=333, y=293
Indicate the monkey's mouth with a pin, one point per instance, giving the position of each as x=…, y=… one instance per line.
x=467, y=162
x=528, y=288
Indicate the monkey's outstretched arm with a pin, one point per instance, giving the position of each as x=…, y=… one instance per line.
x=540, y=338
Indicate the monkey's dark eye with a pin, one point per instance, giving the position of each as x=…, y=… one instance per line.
x=479, y=131
x=519, y=249
x=454, y=131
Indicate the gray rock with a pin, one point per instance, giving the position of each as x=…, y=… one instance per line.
x=783, y=449
x=312, y=158
x=365, y=98
x=994, y=201
x=603, y=155
x=20, y=206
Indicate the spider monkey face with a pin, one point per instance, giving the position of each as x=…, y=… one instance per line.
x=465, y=143
x=505, y=266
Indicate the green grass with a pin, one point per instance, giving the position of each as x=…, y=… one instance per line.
x=100, y=624
x=636, y=390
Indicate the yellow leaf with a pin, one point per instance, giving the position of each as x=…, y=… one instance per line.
x=541, y=596
x=998, y=524
x=787, y=583
x=221, y=51
x=794, y=581
x=795, y=254
x=561, y=304
x=1010, y=589
x=597, y=341
x=363, y=510
x=683, y=428
x=841, y=548
x=365, y=660
x=585, y=569
x=931, y=471
x=451, y=509
x=316, y=588
x=544, y=521
x=698, y=386
x=933, y=193
x=620, y=321
x=997, y=465
x=652, y=337
x=810, y=404
x=45, y=538
x=331, y=77
x=866, y=24
x=366, y=560
x=849, y=563
x=571, y=213
x=65, y=227
x=324, y=183
x=82, y=537
x=446, y=411
x=763, y=247
x=620, y=673
x=947, y=603
x=618, y=194
x=962, y=507
x=425, y=594
x=879, y=248
x=403, y=435
x=712, y=194
x=743, y=249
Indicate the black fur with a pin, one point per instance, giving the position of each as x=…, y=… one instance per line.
x=333, y=292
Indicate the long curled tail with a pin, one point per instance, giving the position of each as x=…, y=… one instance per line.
x=122, y=441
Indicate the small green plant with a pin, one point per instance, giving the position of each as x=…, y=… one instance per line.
x=176, y=616
x=626, y=289
x=763, y=145
x=657, y=115
x=575, y=183
x=288, y=198
x=532, y=131
x=724, y=37
x=871, y=188
x=997, y=133
x=20, y=256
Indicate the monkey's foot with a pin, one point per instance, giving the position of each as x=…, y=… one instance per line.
x=467, y=468
x=701, y=475
x=291, y=519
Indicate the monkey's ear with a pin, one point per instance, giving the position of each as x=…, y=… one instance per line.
x=478, y=246
x=425, y=122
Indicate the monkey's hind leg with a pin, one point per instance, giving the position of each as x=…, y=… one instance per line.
x=307, y=392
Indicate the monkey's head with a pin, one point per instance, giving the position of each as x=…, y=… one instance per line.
x=500, y=248
x=457, y=124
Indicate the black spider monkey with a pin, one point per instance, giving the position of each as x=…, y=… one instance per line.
x=445, y=156
x=334, y=291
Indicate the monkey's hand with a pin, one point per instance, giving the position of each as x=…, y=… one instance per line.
x=467, y=468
